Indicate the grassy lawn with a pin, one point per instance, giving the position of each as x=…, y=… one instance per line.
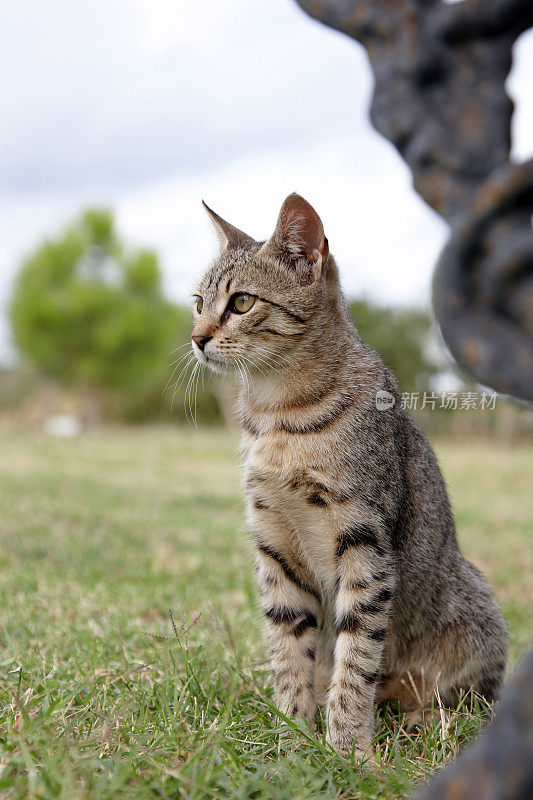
x=101, y=698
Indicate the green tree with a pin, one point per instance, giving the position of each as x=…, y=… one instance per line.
x=90, y=312
x=401, y=336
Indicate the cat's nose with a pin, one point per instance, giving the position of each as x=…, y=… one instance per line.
x=201, y=341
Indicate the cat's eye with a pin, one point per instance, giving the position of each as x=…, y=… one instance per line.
x=199, y=304
x=241, y=303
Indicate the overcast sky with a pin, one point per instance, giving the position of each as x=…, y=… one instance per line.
x=150, y=105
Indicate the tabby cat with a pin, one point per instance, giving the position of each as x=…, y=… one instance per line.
x=365, y=594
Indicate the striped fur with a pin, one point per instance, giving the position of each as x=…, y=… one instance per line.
x=361, y=581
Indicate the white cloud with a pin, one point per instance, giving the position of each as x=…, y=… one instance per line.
x=121, y=93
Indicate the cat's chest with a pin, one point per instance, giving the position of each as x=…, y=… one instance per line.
x=288, y=496
x=288, y=468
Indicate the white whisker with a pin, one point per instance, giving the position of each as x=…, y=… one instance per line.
x=175, y=369
x=180, y=379
x=187, y=395
x=180, y=347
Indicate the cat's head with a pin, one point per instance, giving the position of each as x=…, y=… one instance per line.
x=259, y=301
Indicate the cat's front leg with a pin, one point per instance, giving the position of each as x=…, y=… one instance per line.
x=365, y=582
x=292, y=614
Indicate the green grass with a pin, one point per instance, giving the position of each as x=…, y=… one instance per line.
x=101, y=698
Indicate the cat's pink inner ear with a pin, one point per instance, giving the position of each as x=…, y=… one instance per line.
x=300, y=234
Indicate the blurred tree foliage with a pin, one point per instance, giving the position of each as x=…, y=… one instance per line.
x=401, y=336
x=90, y=312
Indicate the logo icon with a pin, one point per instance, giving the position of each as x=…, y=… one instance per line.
x=384, y=400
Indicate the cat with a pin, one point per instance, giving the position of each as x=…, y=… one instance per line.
x=365, y=594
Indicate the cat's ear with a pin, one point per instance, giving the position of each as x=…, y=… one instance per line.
x=228, y=235
x=299, y=239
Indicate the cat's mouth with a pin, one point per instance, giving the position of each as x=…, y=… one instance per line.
x=215, y=364
x=199, y=354
x=222, y=366
x=211, y=361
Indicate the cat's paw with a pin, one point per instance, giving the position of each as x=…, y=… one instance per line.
x=345, y=746
x=420, y=717
x=303, y=712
